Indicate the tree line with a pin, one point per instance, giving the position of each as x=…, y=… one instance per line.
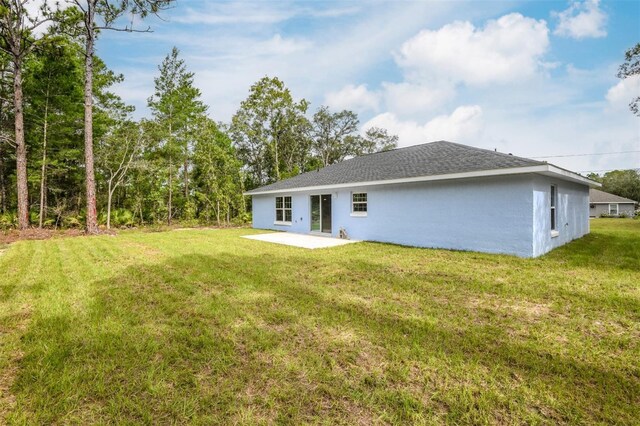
x=71, y=154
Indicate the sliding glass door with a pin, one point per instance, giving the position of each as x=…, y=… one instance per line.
x=315, y=213
x=321, y=213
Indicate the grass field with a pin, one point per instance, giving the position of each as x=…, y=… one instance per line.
x=205, y=327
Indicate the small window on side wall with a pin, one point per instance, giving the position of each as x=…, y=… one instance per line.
x=359, y=204
x=553, y=210
x=613, y=209
x=283, y=210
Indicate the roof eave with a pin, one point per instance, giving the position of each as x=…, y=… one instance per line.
x=544, y=169
x=570, y=176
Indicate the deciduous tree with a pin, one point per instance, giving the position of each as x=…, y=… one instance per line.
x=217, y=176
x=625, y=183
x=629, y=68
x=116, y=153
x=270, y=132
x=332, y=135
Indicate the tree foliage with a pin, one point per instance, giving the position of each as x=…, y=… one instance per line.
x=629, y=68
x=335, y=137
x=270, y=132
x=178, y=164
x=176, y=108
x=625, y=183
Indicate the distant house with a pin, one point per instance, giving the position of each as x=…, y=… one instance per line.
x=439, y=194
x=604, y=203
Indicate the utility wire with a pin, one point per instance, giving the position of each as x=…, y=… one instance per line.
x=585, y=155
x=603, y=170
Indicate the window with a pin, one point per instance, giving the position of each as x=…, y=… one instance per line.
x=613, y=209
x=359, y=203
x=554, y=203
x=283, y=210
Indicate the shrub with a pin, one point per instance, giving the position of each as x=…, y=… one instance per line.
x=604, y=215
x=34, y=217
x=189, y=223
x=242, y=219
x=8, y=220
x=72, y=221
x=122, y=218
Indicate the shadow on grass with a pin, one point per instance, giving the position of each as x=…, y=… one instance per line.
x=253, y=338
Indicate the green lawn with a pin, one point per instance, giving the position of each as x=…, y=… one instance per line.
x=205, y=327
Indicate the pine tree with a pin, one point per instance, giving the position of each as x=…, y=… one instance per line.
x=176, y=107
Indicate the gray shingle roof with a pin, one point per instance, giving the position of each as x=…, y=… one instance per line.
x=429, y=159
x=596, y=196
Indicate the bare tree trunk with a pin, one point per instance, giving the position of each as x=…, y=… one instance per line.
x=186, y=178
x=43, y=170
x=170, y=191
x=21, y=148
x=3, y=184
x=110, y=195
x=218, y=212
x=170, y=169
x=277, y=162
x=92, y=213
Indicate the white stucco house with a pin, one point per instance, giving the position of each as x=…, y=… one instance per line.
x=440, y=195
x=603, y=203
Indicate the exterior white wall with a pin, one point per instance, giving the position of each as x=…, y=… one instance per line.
x=572, y=213
x=507, y=214
x=492, y=215
x=599, y=209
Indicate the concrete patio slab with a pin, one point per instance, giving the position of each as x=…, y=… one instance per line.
x=299, y=240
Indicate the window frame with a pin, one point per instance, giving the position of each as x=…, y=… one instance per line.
x=284, y=209
x=553, y=210
x=359, y=213
x=617, y=209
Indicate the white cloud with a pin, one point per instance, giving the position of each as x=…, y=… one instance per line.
x=576, y=129
x=622, y=93
x=309, y=58
x=34, y=10
x=507, y=49
x=278, y=45
x=582, y=20
x=464, y=124
x=356, y=98
x=243, y=12
x=227, y=13
x=410, y=98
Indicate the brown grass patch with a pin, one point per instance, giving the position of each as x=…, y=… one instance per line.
x=521, y=308
x=9, y=372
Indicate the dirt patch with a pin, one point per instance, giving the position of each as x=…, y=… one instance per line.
x=11, y=236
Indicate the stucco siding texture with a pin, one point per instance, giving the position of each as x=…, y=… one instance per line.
x=600, y=209
x=493, y=214
x=572, y=213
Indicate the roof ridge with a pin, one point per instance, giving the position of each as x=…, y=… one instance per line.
x=426, y=159
x=493, y=152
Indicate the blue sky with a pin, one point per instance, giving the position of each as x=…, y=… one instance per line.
x=531, y=78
